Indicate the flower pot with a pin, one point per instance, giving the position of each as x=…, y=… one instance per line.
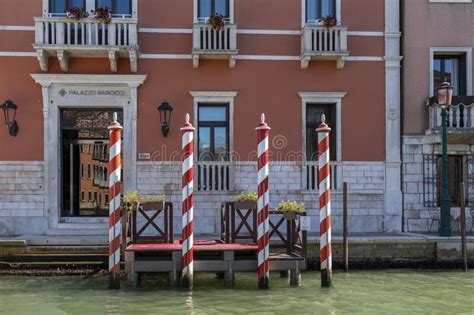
x=289, y=215
x=245, y=205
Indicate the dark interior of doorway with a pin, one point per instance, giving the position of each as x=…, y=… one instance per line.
x=84, y=155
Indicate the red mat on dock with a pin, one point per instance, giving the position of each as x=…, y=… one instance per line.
x=198, y=246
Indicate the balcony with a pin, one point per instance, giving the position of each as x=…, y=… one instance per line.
x=324, y=43
x=460, y=125
x=64, y=38
x=209, y=43
x=213, y=176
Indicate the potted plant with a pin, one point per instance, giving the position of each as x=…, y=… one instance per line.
x=76, y=13
x=153, y=202
x=290, y=209
x=102, y=14
x=132, y=200
x=328, y=21
x=217, y=21
x=246, y=200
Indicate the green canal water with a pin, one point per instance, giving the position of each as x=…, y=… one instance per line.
x=359, y=292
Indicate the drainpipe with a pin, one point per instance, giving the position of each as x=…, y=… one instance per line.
x=402, y=103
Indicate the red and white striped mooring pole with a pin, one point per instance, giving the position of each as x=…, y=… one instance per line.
x=115, y=146
x=187, y=205
x=263, y=236
x=324, y=203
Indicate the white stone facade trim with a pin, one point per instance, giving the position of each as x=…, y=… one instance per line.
x=393, y=193
x=215, y=97
x=323, y=98
x=53, y=102
x=452, y=50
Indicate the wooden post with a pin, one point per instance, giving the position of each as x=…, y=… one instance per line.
x=345, y=241
x=463, y=229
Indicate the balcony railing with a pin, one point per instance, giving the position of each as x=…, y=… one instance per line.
x=210, y=43
x=310, y=176
x=213, y=176
x=324, y=43
x=460, y=119
x=63, y=38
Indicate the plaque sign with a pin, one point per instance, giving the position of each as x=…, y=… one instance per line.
x=305, y=223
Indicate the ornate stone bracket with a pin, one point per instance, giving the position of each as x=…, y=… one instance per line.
x=43, y=59
x=341, y=63
x=133, y=55
x=305, y=59
x=232, y=60
x=64, y=52
x=113, y=60
x=305, y=62
x=63, y=60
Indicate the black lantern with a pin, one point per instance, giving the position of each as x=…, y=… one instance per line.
x=165, y=110
x=9, y=112
x=445, y=95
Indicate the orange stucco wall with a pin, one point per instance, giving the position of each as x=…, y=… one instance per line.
x=263, y=86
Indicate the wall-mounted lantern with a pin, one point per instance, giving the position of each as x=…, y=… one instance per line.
x=9, y=113
x=165, y=110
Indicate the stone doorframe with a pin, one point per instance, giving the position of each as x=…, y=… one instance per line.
x=84, y=91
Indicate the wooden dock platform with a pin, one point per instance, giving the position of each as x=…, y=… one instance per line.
x=236, y=251
x=209, y=256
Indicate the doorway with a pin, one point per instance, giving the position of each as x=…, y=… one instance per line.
x=84, y=161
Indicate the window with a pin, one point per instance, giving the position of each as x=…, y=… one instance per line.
x=60, y=6
x=206, y=8
x=118, y=7
x=313, y=120
x=88, y=171
x=90, y=196
x=317, y=9
x=83, y=195
x=213, y=133
x=451, y=68
x=82, y=167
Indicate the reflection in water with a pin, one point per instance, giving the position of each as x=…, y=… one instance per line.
x=189, y=302
x=368, y=292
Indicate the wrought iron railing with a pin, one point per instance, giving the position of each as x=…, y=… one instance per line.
x=431, y=193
